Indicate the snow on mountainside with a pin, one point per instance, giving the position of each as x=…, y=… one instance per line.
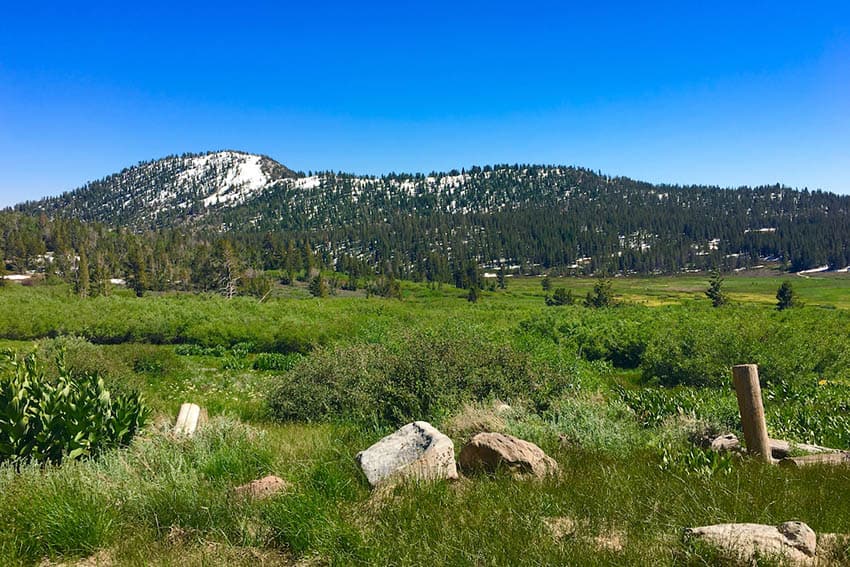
x=170, y=190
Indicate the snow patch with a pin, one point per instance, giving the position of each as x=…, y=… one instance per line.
x=815, y=270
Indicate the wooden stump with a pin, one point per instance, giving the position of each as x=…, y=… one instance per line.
x=190, y=418
x=748, y=391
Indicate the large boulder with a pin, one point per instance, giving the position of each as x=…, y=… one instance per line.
x=417, y=450
x=490, y=451
x=794, y=541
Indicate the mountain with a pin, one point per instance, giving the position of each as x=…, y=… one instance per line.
x=566, y=218
x=169, y=190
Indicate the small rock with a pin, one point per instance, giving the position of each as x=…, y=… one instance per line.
x=794, y=540
x=263, y=488
x=417, y=450
x=489, y=451
x=726, y=443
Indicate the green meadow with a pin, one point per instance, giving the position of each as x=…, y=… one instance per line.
x=621, y=397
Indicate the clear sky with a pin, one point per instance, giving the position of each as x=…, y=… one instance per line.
x=724, y=93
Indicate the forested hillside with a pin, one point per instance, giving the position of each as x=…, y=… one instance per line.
x=173, y=223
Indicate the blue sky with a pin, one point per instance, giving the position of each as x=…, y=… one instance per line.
x=724, y=93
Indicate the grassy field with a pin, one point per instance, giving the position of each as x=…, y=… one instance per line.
x=617, y=396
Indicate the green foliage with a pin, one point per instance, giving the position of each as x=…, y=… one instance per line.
x=561, y=296
x=276, y=361
x=785, y=296
x=198, y=350
x=73, y=418
x=422, y=375
x=318, y=286
x=715, y=290
x=696, y=461
x=601, y=296
x=156, y=488
x=653, y=406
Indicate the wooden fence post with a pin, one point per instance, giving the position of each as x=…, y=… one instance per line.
x=745, y=377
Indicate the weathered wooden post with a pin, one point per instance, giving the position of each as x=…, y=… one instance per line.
x=745, y=377
x=190, y=418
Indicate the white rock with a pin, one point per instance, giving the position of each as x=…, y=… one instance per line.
x=793, y=540
x=417, y=450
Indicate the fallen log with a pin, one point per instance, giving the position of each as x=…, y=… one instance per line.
x=839, y=458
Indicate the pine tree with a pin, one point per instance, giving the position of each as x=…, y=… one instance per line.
x=318, y=286
x=715, y=290
x=501, y=278
x=309, y=259
x=99, y=277
x=785, y=297
x=472, y=296
x=2, y=268
x=601, y=296
x=137, y=272
x=546, y=283
x=291, y=261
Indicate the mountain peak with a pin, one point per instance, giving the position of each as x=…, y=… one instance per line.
x=171, y=189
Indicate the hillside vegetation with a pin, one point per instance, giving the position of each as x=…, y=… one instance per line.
x=171, y=213
x=620, y=397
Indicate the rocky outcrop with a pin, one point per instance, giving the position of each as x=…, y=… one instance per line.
x=795, y=541
x=417, y=450
x=491, y=451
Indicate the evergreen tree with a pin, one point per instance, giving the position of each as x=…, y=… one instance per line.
x=472, y=296
x=546, y=283
x=601, y=296
x=99, y=276
x=561, y=296
x=3, y=271
x=137, y=271
x=318, y=286
x=785, y=297
x=501, y=278
x=291, y=262
x=309, y=259
x=715, y=290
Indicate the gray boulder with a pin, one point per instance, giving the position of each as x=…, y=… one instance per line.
x=417, y=450
x=795, y=541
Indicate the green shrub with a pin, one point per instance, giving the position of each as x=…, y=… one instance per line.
x=421, y=375
x=72, y=418
x=653, y=406
x=198, y=350
x=151, y=359
x=276, y=361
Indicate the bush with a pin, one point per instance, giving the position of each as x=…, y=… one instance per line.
x=198, y=350
x=423, y=375
x=72, y=418
x=276, y=361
